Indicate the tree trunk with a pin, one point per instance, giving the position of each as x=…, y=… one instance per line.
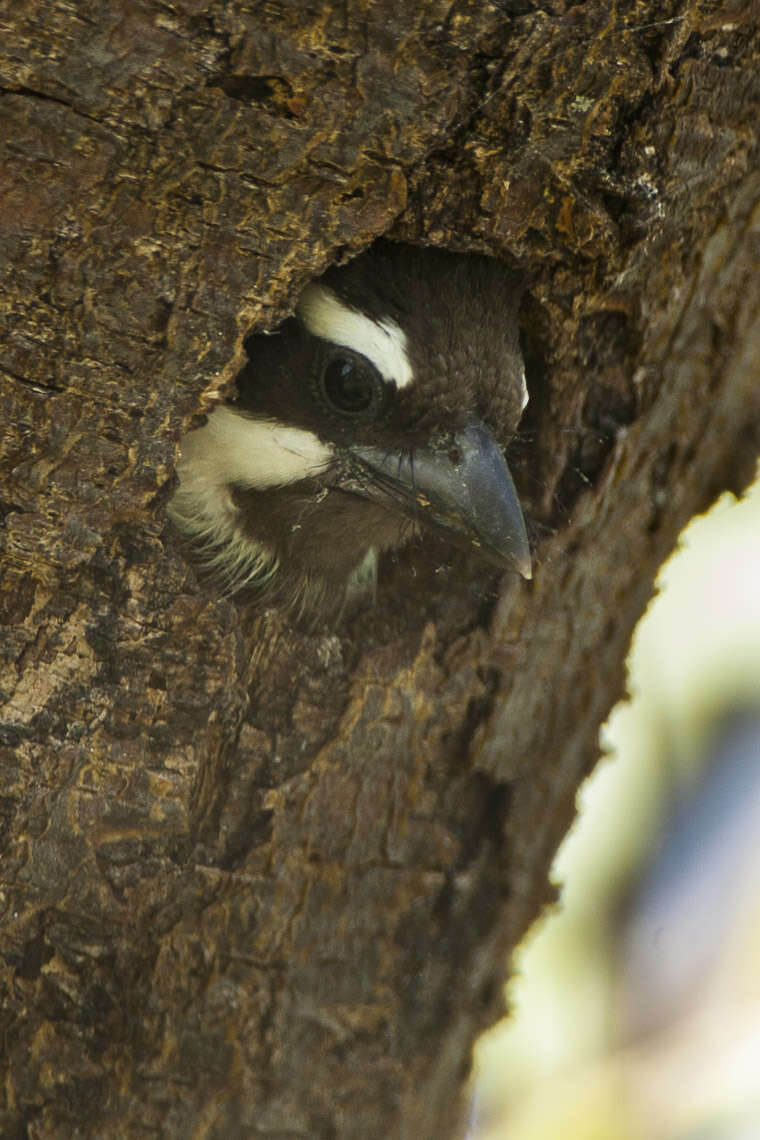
x=261, y=882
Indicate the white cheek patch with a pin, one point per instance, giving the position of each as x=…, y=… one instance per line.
x=383, y=343
x=233, y=449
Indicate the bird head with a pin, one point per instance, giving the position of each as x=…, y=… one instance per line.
x=378, y=409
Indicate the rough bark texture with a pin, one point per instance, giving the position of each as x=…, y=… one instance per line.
x=263, y=883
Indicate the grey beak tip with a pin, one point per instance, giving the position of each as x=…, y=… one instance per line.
x=472, y=495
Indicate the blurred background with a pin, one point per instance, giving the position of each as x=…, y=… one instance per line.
x=635, y=1005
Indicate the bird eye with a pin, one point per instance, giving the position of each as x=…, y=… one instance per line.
x=351, y=386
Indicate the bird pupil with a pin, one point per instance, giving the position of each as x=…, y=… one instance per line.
x=347, y=385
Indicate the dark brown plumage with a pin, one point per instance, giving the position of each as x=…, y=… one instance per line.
x=381, y=405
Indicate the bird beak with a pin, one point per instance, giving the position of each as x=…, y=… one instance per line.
x=459, y=481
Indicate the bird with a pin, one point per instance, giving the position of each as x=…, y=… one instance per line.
x=378, y=411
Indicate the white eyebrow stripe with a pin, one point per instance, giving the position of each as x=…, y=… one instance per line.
x=525, y=396
x=384, y=342
x=234, y=449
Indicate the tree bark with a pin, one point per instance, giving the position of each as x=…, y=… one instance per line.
x=261, y=882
